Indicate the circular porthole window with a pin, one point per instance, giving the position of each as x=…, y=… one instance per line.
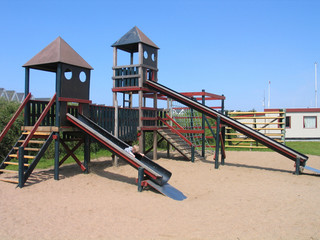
x=145, y=54
x=153, y=57
x=83, y=76
x=68, y=74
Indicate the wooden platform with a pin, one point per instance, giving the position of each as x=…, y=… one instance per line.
x=49, y=129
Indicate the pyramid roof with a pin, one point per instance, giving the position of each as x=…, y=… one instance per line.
x=129, y=41
x=56, y=52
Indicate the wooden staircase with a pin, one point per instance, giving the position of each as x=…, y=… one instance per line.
x=15, y=170
x=179, y=144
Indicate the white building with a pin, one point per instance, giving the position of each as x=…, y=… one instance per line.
x=302, y=124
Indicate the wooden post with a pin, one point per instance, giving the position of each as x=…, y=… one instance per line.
x=141, y=79
x=116, y=123
x=203, y=148
x=191, y=123
x=131, y=58
x=155, y=134
x=297, y=172
x=140, y=178
x=155, y=145
x=21, y=166
x=86, y=152
x=216, y=165
x=26, y=92
x=223, y=134
x=57, y=141
x=115, y=104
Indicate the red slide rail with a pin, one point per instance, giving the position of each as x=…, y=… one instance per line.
x=15, y=116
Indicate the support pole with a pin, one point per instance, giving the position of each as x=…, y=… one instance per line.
x=203, y=126
x=191, y=123
x=115, y=104
x=192, y=153
x=21, y=167
x=86, y=152
x=57, y=141
x=223, y=134
x=216, y=165
x=155, y=145
x=155, y=134
x=297, y=172
x=116, y=124
x=140, y=178
x=26, y=92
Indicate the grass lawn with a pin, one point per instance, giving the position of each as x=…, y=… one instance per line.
x=312, y=148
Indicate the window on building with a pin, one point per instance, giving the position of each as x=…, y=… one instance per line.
x=288, y=122
x=310, y=122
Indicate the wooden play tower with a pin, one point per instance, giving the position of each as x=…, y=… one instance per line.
x=46, y=121
x=129, y=79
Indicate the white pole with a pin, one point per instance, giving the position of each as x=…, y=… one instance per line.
x=264, y=100
x=269, y=95
x=315, y=83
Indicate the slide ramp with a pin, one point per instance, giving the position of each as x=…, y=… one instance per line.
x=263, y=139
x=157, y=176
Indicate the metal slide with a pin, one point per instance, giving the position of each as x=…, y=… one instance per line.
x=265, y=140
x=157, y=175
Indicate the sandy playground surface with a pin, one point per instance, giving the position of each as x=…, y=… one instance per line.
x=254, y=196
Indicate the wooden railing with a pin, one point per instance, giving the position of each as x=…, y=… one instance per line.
x=37, y=124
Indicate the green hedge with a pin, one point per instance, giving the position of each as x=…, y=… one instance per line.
x=7, y=110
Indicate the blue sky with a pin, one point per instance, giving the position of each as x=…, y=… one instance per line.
x=225, y=47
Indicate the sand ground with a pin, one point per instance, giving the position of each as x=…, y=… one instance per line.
x=253, y=196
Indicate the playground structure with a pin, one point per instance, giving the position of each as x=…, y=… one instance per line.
x=270, y=123
x=71, y=116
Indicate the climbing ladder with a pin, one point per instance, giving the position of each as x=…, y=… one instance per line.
x=21, y=161
x=174, y=137
x=28, y=150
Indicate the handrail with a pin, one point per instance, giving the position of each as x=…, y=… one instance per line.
x=171, y=119
x=15, y=116
x=37, y=124
x=175, y=131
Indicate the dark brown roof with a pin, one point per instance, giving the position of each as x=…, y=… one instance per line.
x=55, y=52
x=129, y=41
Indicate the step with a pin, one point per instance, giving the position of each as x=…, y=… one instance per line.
x=10, y=181
x=8, y=171
x=33, y=141
x=37, y=133
x=28, y=149
x=16, y=164
x=25, y=156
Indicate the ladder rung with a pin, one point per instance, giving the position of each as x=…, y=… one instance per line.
x=28, y=149
x=8, y=171
x=264, y=123
x=38, y=133
x=16, y=164
x=25, y=156
x=237, y=146
x=8, y=180
x=34, y=141
x=257, y=117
